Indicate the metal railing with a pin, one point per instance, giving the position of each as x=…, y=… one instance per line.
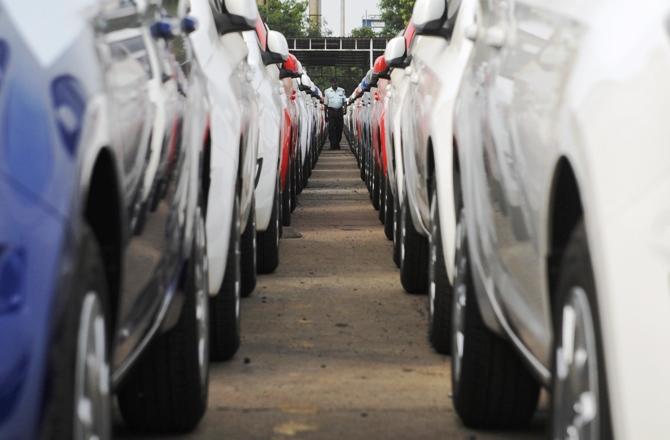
x=338, y=44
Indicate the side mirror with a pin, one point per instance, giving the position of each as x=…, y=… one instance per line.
x=277, y=51
x=430, y=16
x=395, y=52
x=189, y=24
x=234, y=15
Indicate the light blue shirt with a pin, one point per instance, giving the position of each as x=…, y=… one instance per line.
x=335, y=98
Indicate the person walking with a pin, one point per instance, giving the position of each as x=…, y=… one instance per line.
x=335, y=98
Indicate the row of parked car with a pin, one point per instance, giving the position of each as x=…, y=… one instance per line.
x=518, y=154
x=148, y=164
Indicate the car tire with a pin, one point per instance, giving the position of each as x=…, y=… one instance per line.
x=376, y=186
x=81, y=335
x=397, y=234
x=294, y=186
x=584, y=380
x=382, y=198
x=440, y=290
x=413, y=255
x=267, y=247
x=166, y=390
x=491, y=386
x=248, y=245
x=286, y=202
x=224, y=307
x=389, y=211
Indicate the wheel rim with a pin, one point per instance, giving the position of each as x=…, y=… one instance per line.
x=92, y=399
x=432, y=261
x=403, y=234
x=238, y=278
x=395, y=224
x=575, y=395
x=459, y=300
x=202, y=301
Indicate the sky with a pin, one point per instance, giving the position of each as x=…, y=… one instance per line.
x=354, y=11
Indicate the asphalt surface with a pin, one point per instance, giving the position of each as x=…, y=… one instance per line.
x=332, y=346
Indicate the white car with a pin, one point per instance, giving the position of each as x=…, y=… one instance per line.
x=263, y=46
x=439, y=52
x=230, y=158
x=563, y=245
x=396, y=57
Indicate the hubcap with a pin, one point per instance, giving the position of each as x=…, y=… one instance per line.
x=433, y=256
x=403, y=234
x=202, y=300
x=459, y=299
x=238, y=278
x=92, y=399
x=575, y=395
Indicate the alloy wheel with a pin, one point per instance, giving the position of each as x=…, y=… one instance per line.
x=459, y=300
x=201, y=274
x=92, y=410
x=575, y=395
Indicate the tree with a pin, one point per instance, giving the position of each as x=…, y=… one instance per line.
x=285, y=16
x=396, y=15
x=363, y=32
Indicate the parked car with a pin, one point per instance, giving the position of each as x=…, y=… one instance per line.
x=289, y=71
x=440, y=52
x=229, y=161
x=396, y=57
x=261, y=46
x=562, y=247
x=88, y=309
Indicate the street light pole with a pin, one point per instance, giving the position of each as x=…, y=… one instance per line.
x=342, y=19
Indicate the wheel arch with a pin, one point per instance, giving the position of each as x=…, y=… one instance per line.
x=565, y=212
x=103, y=211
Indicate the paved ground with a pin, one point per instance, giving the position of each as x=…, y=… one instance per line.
x=332, y=346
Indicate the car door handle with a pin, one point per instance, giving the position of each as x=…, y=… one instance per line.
x=496, y=36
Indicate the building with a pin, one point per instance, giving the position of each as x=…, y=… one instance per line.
x=373, y=22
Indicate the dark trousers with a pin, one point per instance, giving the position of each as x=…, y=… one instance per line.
x=335, y=124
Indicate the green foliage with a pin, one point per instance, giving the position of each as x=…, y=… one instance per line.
x=286, y=16
x=363, y=32
x=396, y=15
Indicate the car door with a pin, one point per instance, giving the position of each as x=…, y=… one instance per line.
x=531, y=52
x=151, y=255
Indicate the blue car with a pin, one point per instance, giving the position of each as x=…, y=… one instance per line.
x=90, y=307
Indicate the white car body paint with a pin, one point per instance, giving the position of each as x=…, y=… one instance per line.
x=222, y=59
x=588, y=84
x=266, y=91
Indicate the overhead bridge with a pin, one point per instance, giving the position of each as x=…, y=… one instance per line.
x=347, y=59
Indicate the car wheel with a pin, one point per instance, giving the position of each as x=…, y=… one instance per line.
x=389, y=210
x=294, y=186
x=440, y=290
x=224, y=307
x=382, y=198
x=80, y=353
x=579, y=404
x=491, y=386
x=248, y=247
x=397, y=234
x=301, y=180
x=376, y=184
x=413, y=254
x=286, y=202
x=167, y=390
x=267, y=250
